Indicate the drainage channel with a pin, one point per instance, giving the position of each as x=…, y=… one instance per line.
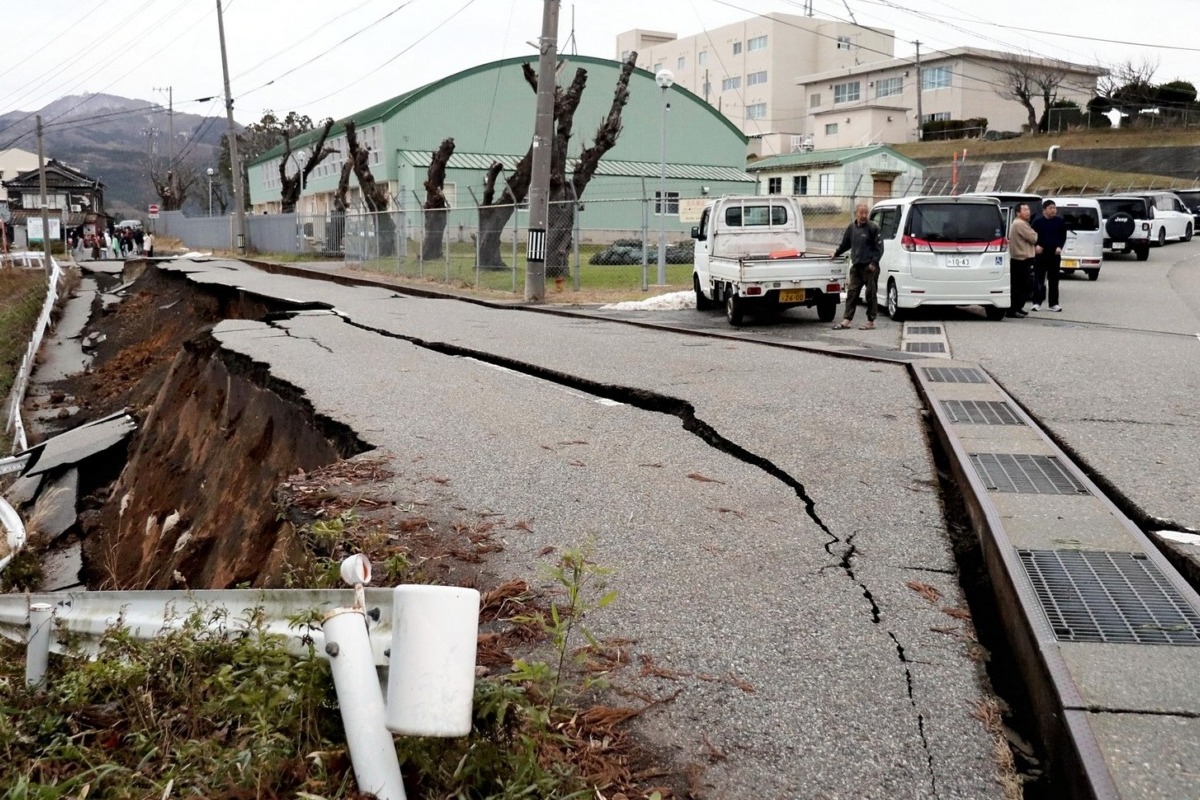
x=1102, y=628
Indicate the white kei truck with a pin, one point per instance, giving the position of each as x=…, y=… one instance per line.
x=750, y=257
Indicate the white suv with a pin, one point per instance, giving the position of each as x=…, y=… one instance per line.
x=1126, y=223
x=1084, y=250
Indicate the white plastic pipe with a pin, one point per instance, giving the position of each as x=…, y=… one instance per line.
x=37, y=656
x=431, y=678
x=372, y=751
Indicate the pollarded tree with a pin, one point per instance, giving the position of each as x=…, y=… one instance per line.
x=375, y=195
x=1027, y=79
x=290, y=186
x=436, y=206
x=564, y=194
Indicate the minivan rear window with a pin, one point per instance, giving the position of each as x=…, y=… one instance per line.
x=746, y=216
x=1080, y=219
x=956, y=222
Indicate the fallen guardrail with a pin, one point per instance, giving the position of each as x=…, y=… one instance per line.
x=15, y=425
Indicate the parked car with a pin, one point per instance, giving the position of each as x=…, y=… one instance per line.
x=1191, y=199
x=1170, y=219
x=1084, y=249
x=943, y=251
x=132, y=224
x=1125, y=220
x=1009, y=202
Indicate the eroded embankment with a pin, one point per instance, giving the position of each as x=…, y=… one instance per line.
x=192, y=506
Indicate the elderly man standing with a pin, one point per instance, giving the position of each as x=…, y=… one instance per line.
x=865, y=244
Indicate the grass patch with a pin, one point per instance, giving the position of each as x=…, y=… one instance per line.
x=1058, y=178
x=1040, y=143
x=22, y=292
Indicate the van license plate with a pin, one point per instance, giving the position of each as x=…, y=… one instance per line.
x=792, y=295
x=1118, y=245
x=958, y=261
x=1070, y=263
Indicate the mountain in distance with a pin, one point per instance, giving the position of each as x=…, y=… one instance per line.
x=113, y=139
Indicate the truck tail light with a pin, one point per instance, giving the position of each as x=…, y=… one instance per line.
x=753, y=290
x=833, y=287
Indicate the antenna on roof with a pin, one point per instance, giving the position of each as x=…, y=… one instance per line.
x=570, y=43
x=848, y=11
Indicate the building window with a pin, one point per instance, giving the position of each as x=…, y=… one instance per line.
x=657, y=68
x=831, y=129
x=814, y=100
x=757, y=43
x=672, y=203
x=843, y=43
x=800, y=184
x=702, y=57
x=940, y=115
x=935, y=78
x=774, y=185
x=756, y=111
x=889, y=87
x=729, y=84
x=755, y=78
x=826, y=183
x=737, y=48
x=679, y=62
x=846, y=92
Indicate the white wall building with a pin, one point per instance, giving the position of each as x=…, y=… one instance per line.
x=13, y=162
x=749, y=70
x=877, y=103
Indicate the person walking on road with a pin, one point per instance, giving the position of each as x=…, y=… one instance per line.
x=1051, y=239
x=1022, y=244
x=865, y=244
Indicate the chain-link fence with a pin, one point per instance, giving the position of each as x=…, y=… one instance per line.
x=597, y=244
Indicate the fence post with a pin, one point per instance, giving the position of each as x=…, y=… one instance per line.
x=420, y=241
x=516, y=233
x=475, y=200
x=575, y=247
x=645, y=233
x=41, y=617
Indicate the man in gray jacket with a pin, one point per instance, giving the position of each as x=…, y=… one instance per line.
x=865, y=244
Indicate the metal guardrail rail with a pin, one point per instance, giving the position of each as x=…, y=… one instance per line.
x=15, y=425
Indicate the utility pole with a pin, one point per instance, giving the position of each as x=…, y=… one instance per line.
x=920, y=116
x=42, y=186
x=235, y=162
x=170, y=90
x=539, y=183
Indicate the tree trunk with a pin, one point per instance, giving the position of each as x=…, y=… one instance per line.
x=435, y=203
x=375, y=197
x=335, y=234
x=290, y=187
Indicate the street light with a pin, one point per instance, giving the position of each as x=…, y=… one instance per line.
x=665, y=80
x=210, y=176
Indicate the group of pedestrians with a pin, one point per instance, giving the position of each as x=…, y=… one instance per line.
x=1035, y=253
x=117, y=244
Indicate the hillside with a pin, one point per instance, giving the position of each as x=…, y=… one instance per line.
x=1036, y=146
x=111, y=138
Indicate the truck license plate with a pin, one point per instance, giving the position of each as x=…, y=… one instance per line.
x=958, y=261
x=793, y=295
x=1070, y=263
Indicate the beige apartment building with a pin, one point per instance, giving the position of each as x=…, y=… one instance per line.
x=877, y=103
x=13, y=162
x=749, y=70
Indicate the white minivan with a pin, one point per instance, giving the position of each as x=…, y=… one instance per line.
x=1084, y=250
x=943, y=251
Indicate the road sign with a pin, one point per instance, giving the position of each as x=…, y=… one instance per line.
x=153, y=211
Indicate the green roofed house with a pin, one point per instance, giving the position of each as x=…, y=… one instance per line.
x=834, y=180
x=489, y=111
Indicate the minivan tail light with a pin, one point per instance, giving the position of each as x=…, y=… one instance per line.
x=910, y=244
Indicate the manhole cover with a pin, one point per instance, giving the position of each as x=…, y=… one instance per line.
x=953, y=375
x=980, y=412
x=925, y=347
x=1026, y=474
x=1108, y=597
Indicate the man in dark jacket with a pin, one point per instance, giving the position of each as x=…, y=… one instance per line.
x=1052, y=238
x=865, y=245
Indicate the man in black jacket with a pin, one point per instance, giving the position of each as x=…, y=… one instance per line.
x=865, y=244
x=1052, y=238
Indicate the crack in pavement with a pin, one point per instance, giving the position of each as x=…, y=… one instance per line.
x=272, y=322
x=664, y=404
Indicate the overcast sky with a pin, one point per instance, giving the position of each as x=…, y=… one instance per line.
x=334, y=57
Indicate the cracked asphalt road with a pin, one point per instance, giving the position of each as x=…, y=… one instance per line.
x=763, y=510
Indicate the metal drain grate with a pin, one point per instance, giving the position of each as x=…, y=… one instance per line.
x=925, y=347
x=1105, y=597
x=924, y=330
x=953, y=375
x=1026, y=474
x=980, y=412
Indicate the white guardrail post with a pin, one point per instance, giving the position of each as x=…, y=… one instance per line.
x=427, y=633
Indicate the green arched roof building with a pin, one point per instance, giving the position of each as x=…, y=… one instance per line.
x=489, y=111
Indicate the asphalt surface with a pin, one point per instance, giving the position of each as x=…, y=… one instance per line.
x=764, y=511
